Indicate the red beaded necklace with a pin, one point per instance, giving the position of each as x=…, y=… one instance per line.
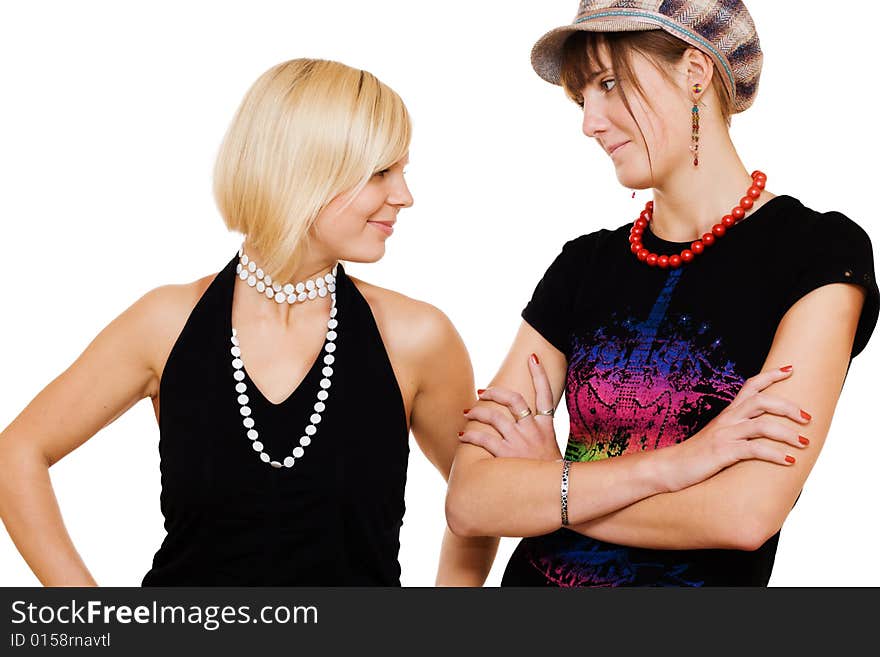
x=759, y=181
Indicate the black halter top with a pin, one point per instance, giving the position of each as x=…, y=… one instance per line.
x=334, y=518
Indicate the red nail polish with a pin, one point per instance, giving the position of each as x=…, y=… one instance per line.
x=535, y=358
x=460, y=433
x=481, y=391
x=803, y=441
x=789, y=459
x=806, y=415
x=787, y=368
x=466, y=411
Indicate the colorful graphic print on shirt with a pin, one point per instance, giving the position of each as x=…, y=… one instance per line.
x=635, y=385
x=638, y=385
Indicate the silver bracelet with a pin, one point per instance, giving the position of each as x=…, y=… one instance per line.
x=563, y=491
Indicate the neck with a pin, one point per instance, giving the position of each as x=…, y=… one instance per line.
x=691, y=200
x=311, y=266
x=262, y=309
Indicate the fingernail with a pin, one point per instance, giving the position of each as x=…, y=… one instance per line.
x=787, y=368
x=803, y=441
x=466, y=411
x=460, y=434
x=806, y=415
x=481, y=391
x=535, y=359
x=789, y=459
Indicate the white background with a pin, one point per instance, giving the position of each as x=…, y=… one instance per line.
x=110, y=119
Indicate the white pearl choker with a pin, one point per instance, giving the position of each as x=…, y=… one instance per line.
x=248, y=270
x=315, y=419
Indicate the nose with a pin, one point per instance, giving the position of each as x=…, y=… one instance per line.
x=595, y=122
x=400, y=195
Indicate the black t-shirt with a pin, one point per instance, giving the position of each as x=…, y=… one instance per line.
x=654, y=355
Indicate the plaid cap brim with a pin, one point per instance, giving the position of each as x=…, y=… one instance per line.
x=546, y=56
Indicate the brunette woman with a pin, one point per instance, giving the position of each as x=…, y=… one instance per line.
x=701, y=346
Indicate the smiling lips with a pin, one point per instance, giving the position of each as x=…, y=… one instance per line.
x=386, y=227
x=616, y=147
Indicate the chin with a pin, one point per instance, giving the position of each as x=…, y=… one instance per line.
x=635, y=180
x=364, y=254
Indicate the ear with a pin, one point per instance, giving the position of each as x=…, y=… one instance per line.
x=699, y=69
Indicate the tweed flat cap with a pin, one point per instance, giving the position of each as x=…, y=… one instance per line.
x=723, y=29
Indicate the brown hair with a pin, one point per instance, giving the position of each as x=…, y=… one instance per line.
x=580, y=63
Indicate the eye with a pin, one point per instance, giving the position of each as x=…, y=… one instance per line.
x=608, y=84
x=382, y=172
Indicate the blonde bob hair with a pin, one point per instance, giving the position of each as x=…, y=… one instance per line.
x=307, y=131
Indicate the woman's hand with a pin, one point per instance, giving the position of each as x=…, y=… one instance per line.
x=531, y=436
x=729, y=437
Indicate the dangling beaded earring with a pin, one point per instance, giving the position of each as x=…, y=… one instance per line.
x=695, y=122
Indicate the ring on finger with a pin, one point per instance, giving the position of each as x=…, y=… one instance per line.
x=523, y=414
x=548, y=412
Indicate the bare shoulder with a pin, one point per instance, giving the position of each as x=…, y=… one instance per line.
x=162, y=313
x=409, y=326
x=116, y=370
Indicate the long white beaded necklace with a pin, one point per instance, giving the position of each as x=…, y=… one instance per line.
x=329, y=347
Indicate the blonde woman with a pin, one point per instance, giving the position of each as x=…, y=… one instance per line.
x=284, y=389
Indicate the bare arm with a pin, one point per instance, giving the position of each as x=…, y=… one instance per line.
x=517, y=493
x=446, y=387
x=520, y=497
x=109, y=377
x=744, y=505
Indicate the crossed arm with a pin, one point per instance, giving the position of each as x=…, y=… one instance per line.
x=737, y=508
x=744, y=505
